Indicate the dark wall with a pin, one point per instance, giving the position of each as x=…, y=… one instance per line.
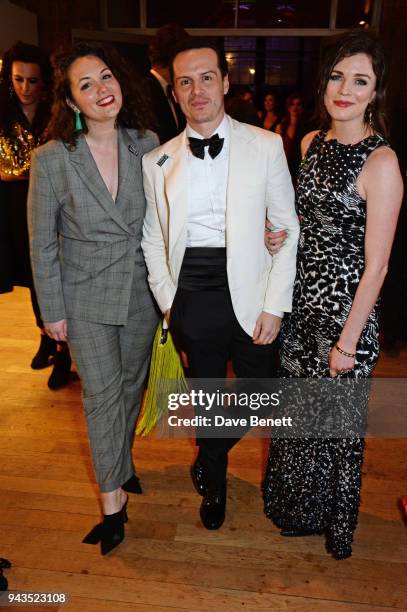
x=394, y=36
x=57, y=18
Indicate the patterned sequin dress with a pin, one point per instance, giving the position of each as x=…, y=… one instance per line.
x=17, y=141
x=314, y=484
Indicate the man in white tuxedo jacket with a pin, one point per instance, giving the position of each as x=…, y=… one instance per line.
x=209, y=192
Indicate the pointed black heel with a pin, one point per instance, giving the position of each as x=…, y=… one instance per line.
x=132, y=485
x=110, y=532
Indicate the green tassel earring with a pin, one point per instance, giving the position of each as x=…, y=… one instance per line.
x=78, y=122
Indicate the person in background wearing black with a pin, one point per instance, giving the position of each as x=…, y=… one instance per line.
x=292, y=130
x=240, y=106
x=269, y=115
x=170, y=120
x=24, y=114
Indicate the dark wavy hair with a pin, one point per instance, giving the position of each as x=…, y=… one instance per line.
x=135, y=112
x=29, y=54
x=351, y=43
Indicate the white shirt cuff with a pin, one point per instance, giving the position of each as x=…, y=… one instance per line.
x=276, y=313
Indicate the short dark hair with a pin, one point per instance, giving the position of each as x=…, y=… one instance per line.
x=135, y=112
x=193, y=42
x=351, y=43
x=28, y=54
x=163, y=43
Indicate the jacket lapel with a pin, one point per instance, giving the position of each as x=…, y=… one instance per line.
x=84, y=164
x=175, y=171
x=130, y=154
x=242, y=164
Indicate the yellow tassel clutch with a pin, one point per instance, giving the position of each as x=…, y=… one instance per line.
x=166, y=375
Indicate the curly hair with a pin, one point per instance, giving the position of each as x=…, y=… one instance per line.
x=135, y=112
x=28, y=54
x=351, y=43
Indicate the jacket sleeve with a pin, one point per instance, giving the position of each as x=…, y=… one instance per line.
x=43, y=214
x=281, y=212
x=154, y=247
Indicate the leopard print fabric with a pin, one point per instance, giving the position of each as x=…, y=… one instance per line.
x=314, y=484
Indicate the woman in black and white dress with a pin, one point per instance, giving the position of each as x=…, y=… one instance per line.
x=348, y=199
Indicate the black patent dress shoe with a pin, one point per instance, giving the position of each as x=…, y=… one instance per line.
x=110, y=532
x=213, y=509
x=46, y=350
x=299, y=533
x=198, y=479
x=132, y=485
x=60, y=374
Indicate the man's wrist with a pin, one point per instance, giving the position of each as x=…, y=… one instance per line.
x=276, y=313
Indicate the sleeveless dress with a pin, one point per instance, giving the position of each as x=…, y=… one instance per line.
x=313, y=484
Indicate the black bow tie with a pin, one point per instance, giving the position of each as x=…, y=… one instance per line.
x=198, y=145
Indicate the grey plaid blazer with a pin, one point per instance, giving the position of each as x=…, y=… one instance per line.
x=85, y=248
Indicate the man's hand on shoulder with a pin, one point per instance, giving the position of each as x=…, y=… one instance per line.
x=266, y=329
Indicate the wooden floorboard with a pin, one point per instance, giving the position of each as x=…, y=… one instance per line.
x=168, y=561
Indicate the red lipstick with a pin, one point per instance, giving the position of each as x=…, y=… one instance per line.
x=343, y=104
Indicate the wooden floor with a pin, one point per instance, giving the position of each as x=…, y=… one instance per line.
x=168, y=561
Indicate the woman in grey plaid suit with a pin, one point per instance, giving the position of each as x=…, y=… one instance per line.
x=86, y=209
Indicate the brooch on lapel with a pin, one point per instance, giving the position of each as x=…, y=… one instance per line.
x=133, y=149
x=162, y=160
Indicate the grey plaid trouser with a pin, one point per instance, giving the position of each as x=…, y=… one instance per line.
x=112, y=362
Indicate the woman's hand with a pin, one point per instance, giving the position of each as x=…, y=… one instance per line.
x=57, y=330
x=339, y=363
x=272, y=239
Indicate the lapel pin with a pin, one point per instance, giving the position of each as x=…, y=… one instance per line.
x=162, y=160
x=133, y=149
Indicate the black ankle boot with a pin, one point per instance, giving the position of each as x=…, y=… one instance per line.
x=61, y=373
x=46, y=350
x=109, y=533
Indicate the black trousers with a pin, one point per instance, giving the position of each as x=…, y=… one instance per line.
x=205, y=327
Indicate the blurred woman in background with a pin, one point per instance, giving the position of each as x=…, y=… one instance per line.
x=291, y=130
x=24, y=115
x=269, y=116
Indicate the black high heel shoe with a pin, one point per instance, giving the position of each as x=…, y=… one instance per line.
x=110, y=532
x=132, y=485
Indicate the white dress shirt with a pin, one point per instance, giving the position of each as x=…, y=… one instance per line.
x=207, y=188
x=207, y=184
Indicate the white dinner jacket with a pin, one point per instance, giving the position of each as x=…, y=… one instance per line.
x=259, y=186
